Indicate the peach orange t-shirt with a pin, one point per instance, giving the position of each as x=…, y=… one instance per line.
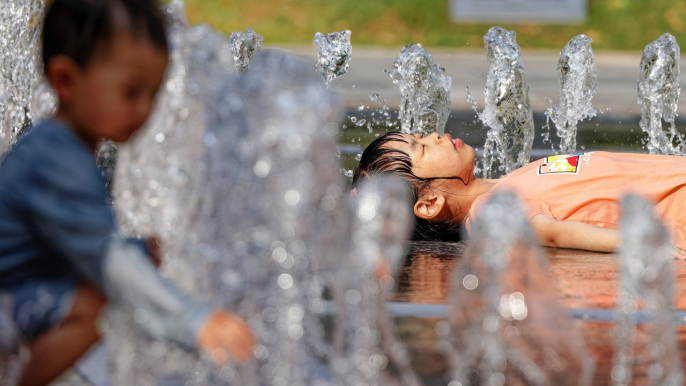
x=587, y=187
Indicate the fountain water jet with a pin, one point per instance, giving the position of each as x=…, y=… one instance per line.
x=658, y=94
x=268, y=212
x=505, y=324
x=244, y=46
x=646, y=284
x=364, y=342
x=246, y=201
x=333, y=54
x=578, y=85
x=157, y=177
x=20, y=69
x=425, y=91
x=507, y=112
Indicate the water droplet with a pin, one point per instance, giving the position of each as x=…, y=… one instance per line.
x=261, y=352
x=285, y=281
x=470, y=282
x=140, y=316
x=353, y=296
x=262, y=168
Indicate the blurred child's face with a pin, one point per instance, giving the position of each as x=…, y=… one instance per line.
x=112, y=97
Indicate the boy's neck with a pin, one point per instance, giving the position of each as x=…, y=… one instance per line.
x=90, y=142
x=480, y=186
x=462, y=202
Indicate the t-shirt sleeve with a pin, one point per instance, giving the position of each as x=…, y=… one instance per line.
x=533, y=206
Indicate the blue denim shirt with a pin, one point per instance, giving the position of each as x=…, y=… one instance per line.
x=53, y=213
x=56, y=229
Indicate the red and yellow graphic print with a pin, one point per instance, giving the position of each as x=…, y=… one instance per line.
x=560, y=164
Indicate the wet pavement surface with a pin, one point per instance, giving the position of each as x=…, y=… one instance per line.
x=584, y=280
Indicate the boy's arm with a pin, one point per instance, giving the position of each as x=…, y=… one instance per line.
x=164, y=312
x=71, y=217
x=574, y=235
x=130, y=278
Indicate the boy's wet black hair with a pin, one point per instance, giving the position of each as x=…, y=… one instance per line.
x=79, y=28
x=380, y=158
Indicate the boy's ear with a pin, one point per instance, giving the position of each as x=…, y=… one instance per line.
x=62, y=73
x=429, y=205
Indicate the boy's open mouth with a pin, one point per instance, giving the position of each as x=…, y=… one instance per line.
x=456, y=141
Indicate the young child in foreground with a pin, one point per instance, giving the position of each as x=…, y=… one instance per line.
x=572, y=201
x=61, y=256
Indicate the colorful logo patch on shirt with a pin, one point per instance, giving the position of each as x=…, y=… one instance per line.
x=560, y=164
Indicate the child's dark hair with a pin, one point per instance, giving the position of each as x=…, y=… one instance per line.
x=378, y=158
x=79, y=28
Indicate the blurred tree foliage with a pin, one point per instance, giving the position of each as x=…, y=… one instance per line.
x=612, y=24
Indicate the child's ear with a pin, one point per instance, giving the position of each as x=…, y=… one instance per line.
x=62, y=72
x=429, y=205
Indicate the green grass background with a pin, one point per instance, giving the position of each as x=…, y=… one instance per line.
x=612, y=24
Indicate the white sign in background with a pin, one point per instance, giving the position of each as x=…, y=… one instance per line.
x=519, y=11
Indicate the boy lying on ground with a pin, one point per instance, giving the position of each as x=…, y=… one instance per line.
x=572, y=200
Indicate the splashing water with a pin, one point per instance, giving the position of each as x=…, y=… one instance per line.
x=646, y=285
x=377, y=117
x=505, y=324
x=424, y=89
x=507, y=112
x=333, y=54
x=578, y=85
x=658, y=94
x=242, y=201
x=43, y=101
x=271, y=197
x=244, y=46
x=20, y=69
x=157, y=177
x=364, y=342
x=106, y=157
x=158, y=170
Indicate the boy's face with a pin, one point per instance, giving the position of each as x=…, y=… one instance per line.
x=437, y=155
x=112, y=97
